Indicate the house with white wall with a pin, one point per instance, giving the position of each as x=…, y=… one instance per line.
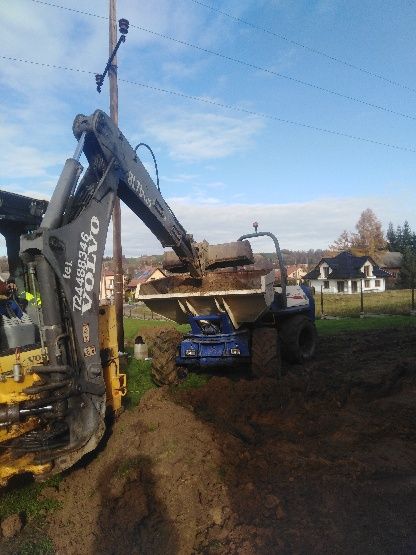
x=107, y=285
x=346, y=274
x=295, y=273
x=148, y=274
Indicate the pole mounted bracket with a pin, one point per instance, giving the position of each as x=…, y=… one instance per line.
x=123, y=26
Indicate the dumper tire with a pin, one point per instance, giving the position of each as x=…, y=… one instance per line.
x=265, y=353
x=164, y=370
x=298, y=338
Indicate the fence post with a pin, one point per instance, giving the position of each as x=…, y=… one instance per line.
x=362, y=299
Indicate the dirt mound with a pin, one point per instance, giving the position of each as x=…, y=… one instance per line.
x=321, y=462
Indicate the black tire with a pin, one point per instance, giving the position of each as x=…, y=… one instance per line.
x=265, y=353
x=298, y=339
x=164, y=370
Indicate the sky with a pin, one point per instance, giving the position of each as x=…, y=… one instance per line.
x=266, y=78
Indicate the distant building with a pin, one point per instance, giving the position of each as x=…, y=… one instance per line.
x=392, y=263
x=295, y=273
x=143, y=276
x=346, y=273
x=107, y=285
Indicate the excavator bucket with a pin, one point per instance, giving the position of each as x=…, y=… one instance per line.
x=236, y=253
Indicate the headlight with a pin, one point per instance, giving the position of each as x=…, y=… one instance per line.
x=235, y=351
x=190, y=353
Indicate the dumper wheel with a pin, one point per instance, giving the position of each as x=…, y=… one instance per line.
x=265, y=353
x=298, y=339
x=164, y=370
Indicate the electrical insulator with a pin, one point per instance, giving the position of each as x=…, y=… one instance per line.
x=123, y=26
x=99, y=81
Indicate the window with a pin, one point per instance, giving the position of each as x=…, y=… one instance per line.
x=326, y=271
x=340, y=286
x=367, y=283
x=326, y=284
x=354, y=287
x=366, y=271
x=377, y=283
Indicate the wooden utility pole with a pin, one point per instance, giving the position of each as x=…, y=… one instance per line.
x=117, y=250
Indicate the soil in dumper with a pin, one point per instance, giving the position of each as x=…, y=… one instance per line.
x=321, y=462
x=215, y=281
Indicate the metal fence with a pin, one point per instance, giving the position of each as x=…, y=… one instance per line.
x=139, y=311
x=390, y=302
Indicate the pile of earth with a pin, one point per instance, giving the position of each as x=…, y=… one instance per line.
x=214, y=281
x=322, y=461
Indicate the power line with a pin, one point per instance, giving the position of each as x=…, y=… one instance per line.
x=70, y=9
x=306, y=47
x=246, y=64
x=223, y=105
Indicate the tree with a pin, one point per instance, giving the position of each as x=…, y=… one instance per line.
x=368, y=239
x=407, y=278
x=369, y=236
x=401, y=238
x=343, y=243
x=391, y=237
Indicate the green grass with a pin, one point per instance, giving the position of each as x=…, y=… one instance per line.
x=193, y=381
x=396, y=301
x=43, y=546
x=132, y=326
x=27, y=500
x=331, y=327
x=138, y=381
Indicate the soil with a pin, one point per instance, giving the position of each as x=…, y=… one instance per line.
x=321, y=462
x=217, y=281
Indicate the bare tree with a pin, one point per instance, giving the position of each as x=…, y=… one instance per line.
x=343, y=243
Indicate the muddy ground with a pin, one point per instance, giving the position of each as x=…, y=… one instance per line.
x=323, y=461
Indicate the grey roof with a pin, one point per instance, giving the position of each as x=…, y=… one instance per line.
x=346, y=266
x=390, y=259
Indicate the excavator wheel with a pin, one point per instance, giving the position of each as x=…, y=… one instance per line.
x=164, y=370
x=298, y=338
x=265, y=353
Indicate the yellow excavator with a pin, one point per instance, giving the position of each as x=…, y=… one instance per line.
x=59, y=360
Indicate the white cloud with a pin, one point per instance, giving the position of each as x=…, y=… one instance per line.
x=201, y=136
x=303, y=225
x=180, y=178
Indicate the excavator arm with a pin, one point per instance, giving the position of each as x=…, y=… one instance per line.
x=106, y=148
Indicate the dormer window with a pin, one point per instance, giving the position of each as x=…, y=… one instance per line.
x=366, y=271
x=325, y=270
